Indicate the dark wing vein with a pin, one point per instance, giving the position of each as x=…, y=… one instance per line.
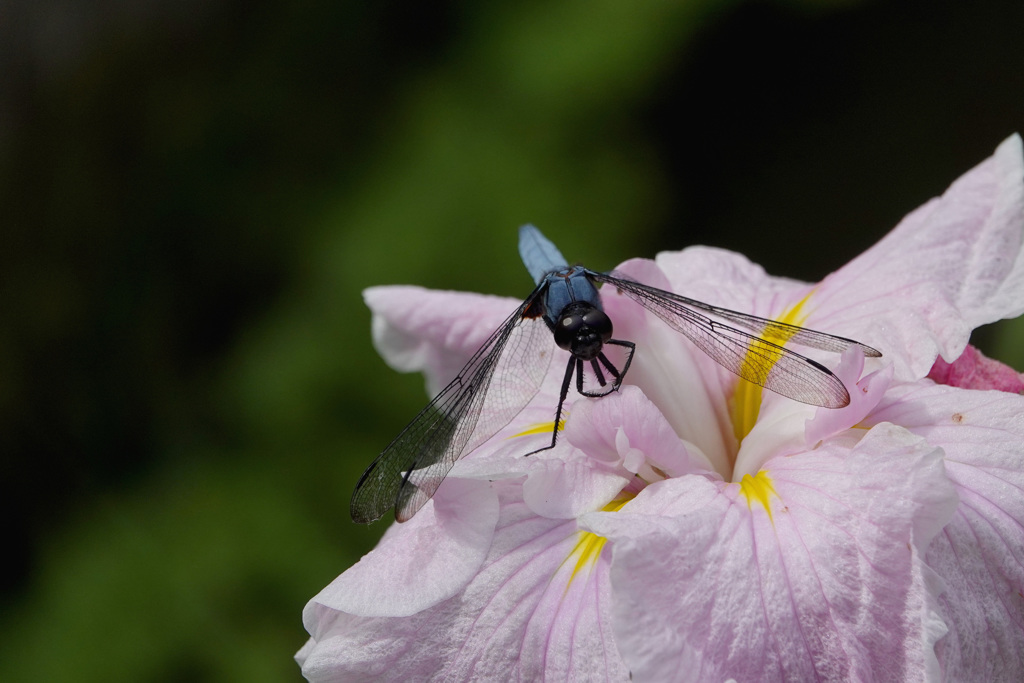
x=408, y=471
x=747, y=354
x=759, y=326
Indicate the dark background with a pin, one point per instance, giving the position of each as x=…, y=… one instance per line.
x=194, y=195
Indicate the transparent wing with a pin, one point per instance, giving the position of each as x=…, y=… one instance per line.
x=494, y=386
x=758, y=355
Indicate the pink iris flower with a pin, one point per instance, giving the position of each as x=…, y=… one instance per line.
x=691, y=527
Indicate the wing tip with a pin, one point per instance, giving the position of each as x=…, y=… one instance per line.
x=360, y=516
x=869, y=352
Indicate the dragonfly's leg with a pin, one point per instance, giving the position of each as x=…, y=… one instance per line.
x=570, y=366
x=608, y=364
x=616, y=374
x=629, y=358
x=600, y=378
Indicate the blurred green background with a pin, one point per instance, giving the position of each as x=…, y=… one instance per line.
x=194, y=195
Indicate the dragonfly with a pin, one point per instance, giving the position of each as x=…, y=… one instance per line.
x=503, y=376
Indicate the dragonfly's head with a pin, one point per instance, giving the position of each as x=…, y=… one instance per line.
x=582, y=329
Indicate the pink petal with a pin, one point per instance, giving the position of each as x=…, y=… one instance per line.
x=972, y=370
x=865, y=395
x=420, y=563
x=626, y=429
x=727, y=279
x=416, y=329
x=565, y=490
x=831, y=586
x=687, y=387
x=528, y=615
x=607, y=443
x=948, y=267
x=980, y=553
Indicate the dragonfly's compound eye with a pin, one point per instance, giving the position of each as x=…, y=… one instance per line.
x=582, y=330
x=599, y=322
x=565, y=331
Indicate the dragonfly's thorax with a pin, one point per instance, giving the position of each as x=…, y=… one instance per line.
x=582, y=329
x=566, y=286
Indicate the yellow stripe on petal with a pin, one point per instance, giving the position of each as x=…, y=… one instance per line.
x=758, y=488
x=588, y=547
x=541, y=428
x=586, y=551
x=746, y=400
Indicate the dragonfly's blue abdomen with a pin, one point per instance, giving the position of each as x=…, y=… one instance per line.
x=539, y=254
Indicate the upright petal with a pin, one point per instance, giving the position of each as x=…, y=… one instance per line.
x=951, y=265
x=626, y=429
x=687, y=386
x=948, y=267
